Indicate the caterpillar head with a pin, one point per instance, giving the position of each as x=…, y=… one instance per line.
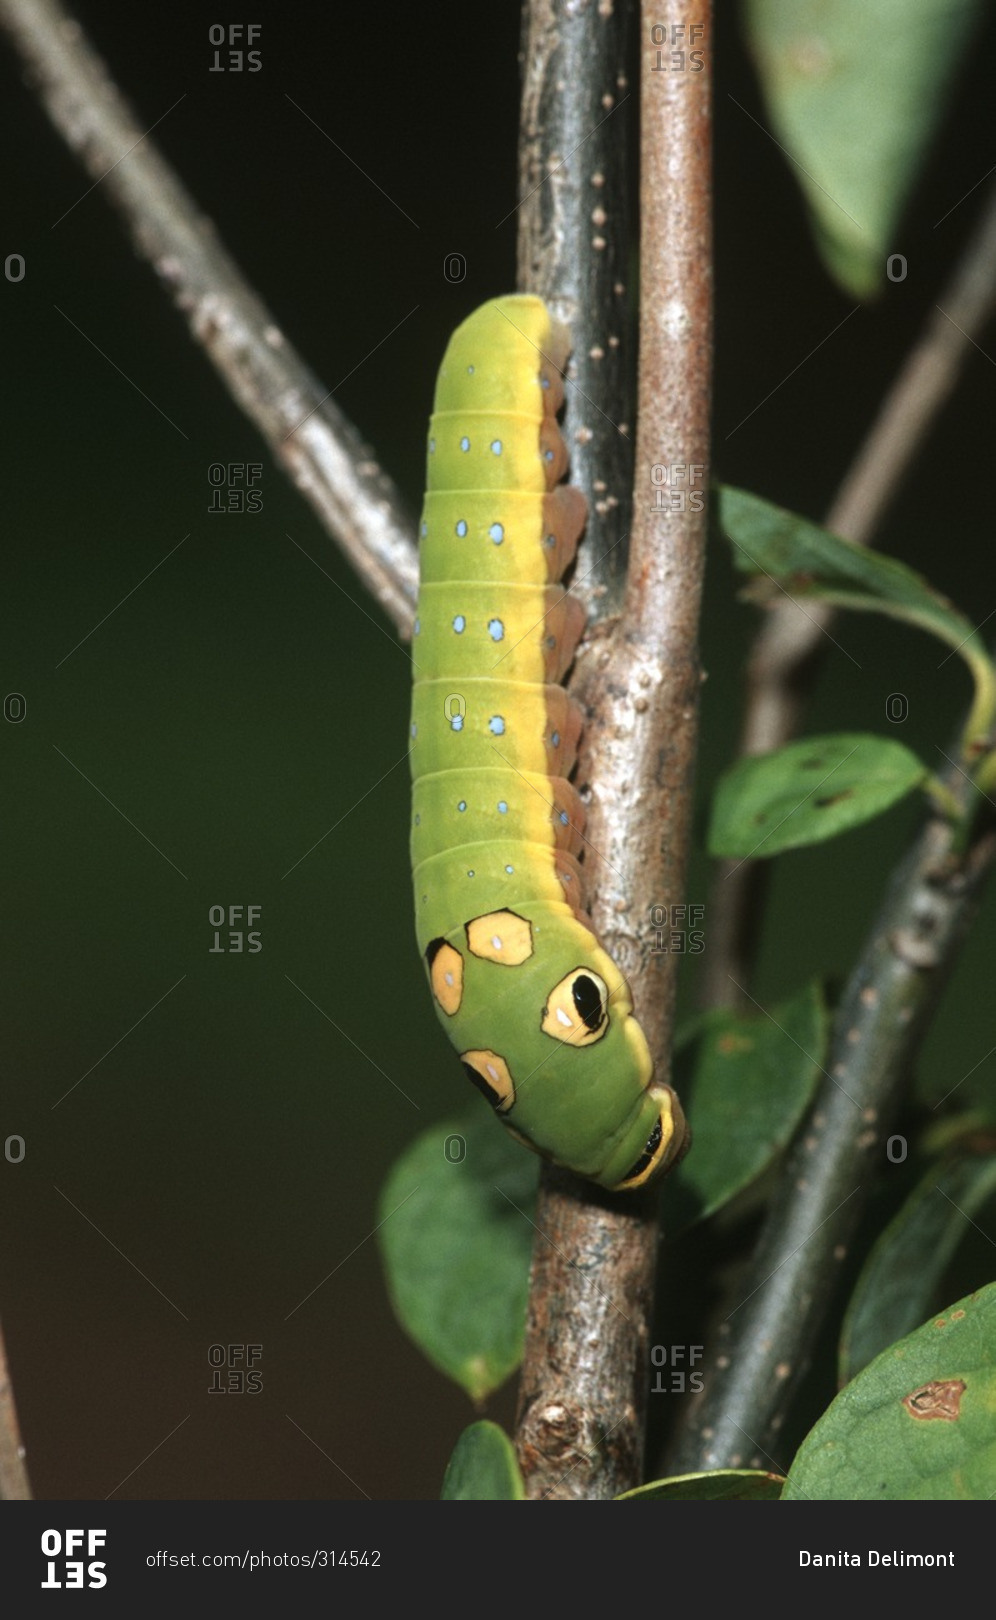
x=543, y=1023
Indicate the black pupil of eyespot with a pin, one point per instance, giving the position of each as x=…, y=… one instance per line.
x=588, y=1001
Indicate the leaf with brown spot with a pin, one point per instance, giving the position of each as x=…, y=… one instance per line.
x=941, y=1398
x=873, y=1443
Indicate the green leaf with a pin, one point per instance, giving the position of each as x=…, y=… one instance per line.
x=483, y=1467
x=854, y=91
x=807, y=792
x=779, y=548
x=918, y=1424
x=722, y=1485
x=899, y=1280
x=456, y=1240
x=745, y=1083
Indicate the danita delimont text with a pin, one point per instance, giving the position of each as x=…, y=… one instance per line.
x=873, y=1558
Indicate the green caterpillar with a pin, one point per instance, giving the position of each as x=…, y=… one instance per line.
x=539, y=1012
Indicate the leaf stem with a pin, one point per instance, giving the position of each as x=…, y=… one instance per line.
x=943, y=800
x=985, y=775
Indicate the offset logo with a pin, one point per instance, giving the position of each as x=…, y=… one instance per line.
x=235, y=59
x=686, y=42
x=66, y=1567
x=672, y=1377
x=234, y=1370
x=240, y=939
x=232, y=486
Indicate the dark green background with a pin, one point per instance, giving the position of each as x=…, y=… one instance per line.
x=237, y=705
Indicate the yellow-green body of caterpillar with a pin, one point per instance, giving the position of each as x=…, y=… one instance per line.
x=537, y=1009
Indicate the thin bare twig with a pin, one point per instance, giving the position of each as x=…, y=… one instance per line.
x=786, y=650
x=306, y=433
x=584, y=1377
x=14, y=1486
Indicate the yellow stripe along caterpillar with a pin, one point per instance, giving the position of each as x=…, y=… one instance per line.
x=540, y=1014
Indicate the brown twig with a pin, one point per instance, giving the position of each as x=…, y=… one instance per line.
x=306, y=433
x=784, y=657
x=584, y=1377
x=14, y=1486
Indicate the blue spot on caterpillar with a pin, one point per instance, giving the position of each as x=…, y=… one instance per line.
x=537, y=1009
